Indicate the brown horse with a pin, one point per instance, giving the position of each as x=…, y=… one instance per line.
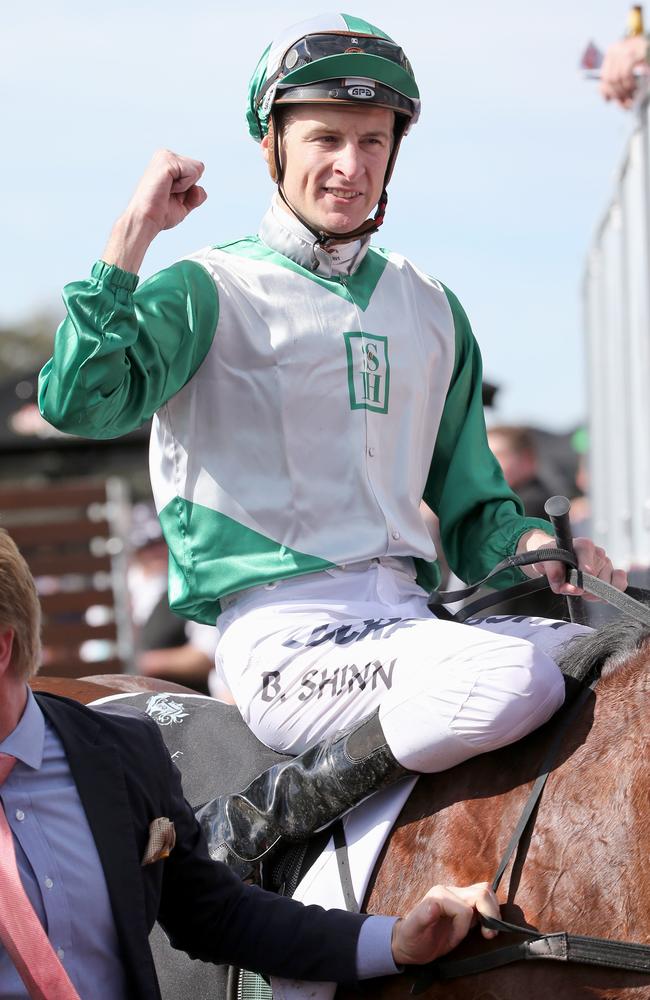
x=88, y=689
x=585, y=868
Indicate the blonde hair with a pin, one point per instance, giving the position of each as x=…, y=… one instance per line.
x=20, y=608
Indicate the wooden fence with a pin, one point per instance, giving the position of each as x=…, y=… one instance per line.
x=73, y=536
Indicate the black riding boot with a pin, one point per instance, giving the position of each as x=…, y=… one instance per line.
x=294, y=799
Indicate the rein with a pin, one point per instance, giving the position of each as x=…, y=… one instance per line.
x=559, y=946
x=634, y=601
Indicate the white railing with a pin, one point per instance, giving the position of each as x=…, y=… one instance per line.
x=617, y=325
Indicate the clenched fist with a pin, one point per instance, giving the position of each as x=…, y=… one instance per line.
x=166, y=193
x=168, y=190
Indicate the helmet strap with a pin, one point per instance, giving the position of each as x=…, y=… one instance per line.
x=275, y=166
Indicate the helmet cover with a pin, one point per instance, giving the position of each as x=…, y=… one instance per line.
x=332, y=58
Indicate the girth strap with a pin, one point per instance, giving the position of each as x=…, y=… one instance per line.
x=343, y=864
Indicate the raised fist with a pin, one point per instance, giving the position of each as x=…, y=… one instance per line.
x=167, y=191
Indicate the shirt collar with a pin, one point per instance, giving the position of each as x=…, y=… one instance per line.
x=26, y=742
x=283, y=232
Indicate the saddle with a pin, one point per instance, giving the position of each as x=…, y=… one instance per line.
x=216, y=753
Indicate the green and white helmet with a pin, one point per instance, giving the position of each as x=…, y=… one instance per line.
x=337, y=59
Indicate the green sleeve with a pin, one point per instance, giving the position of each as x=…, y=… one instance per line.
x=481, y=519
x=120, y=354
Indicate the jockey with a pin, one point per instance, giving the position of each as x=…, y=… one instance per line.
x=309, y=391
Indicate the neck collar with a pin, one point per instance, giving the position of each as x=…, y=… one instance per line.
x=283, y=232
x=27, y=740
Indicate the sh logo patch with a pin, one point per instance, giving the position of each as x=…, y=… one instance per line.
x=368, y=371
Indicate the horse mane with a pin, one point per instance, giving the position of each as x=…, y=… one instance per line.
x=618, y=654
x=612, y=652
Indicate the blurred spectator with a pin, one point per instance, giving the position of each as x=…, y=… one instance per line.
x=189, y=662
x=580, y=512
x=557, y=461
x=167, y=646
x=625, y=62
x=515, y=451
x=147, y=574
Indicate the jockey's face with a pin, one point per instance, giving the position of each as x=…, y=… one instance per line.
x=334, y=162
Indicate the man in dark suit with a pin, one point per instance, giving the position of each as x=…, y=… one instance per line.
x=106, y=844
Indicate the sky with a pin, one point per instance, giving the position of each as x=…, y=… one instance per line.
x=497, y=191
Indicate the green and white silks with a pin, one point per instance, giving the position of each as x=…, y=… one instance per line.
x=299, y=416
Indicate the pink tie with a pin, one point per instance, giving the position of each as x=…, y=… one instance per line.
x=21, y=932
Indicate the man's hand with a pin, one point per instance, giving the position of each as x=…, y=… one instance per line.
x=166, y=193
x=591, y=559
x=624, y=62
x=440, y=921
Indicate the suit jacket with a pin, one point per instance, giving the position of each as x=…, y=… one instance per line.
x=126, y=779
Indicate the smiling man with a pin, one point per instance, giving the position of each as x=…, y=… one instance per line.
x=309, y=391
x=335, y=163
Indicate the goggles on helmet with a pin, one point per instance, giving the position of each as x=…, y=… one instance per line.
x=314, y=47
x=331, y=57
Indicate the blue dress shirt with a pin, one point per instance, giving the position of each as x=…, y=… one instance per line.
x=58, y=863
x=374, y=952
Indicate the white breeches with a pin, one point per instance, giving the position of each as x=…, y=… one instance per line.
x=307, y=657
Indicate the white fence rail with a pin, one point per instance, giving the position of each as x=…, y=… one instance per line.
x=617, y=322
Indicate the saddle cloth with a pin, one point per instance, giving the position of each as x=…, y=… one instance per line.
x=216, y=753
